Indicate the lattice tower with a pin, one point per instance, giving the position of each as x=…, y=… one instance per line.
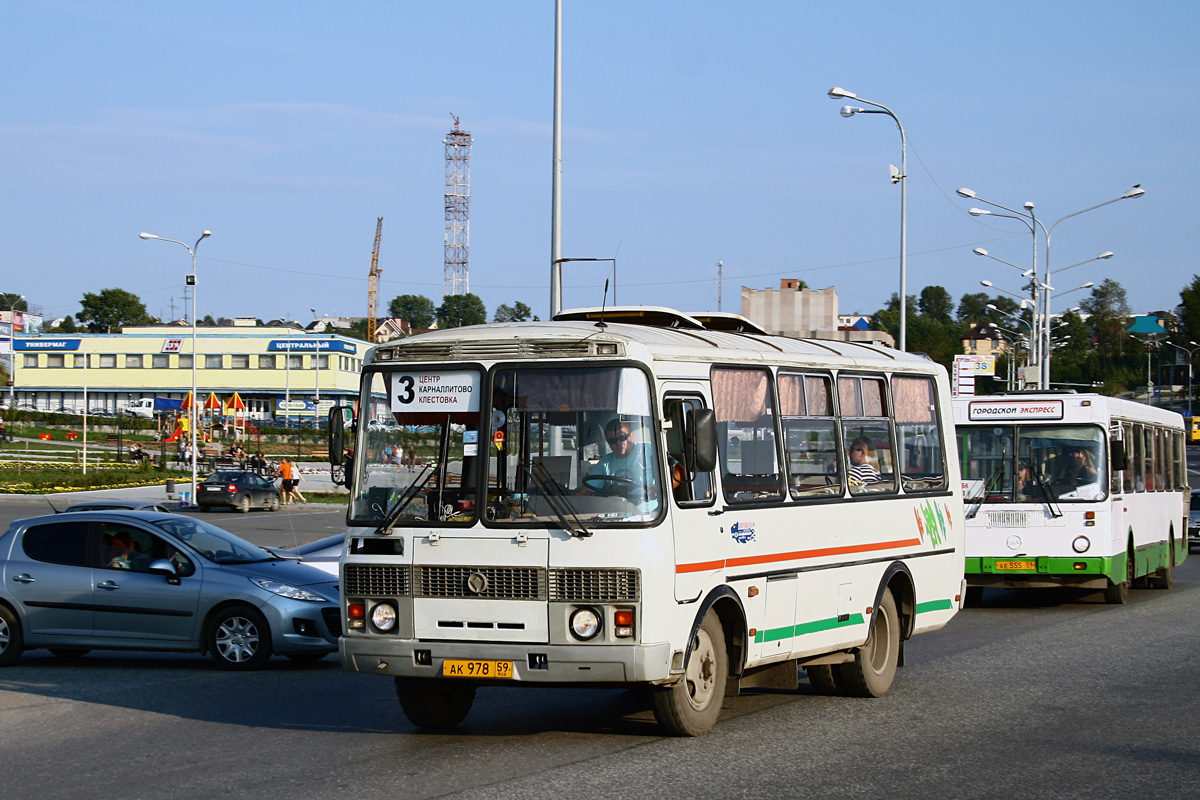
x=458, y=211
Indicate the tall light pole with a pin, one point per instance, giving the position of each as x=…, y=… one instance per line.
x=901, y=178
x=317, y=392
x=556, y=172
x=194, y=418
x=1031, y=220
x=12, y=355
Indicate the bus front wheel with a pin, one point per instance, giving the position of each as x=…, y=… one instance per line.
x=1117, y=594
x=690, y=707
x=871, y=672
x=433, y=703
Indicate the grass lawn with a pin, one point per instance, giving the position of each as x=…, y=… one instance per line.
x=49, y=478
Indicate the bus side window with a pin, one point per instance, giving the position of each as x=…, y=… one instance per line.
x=867, y=434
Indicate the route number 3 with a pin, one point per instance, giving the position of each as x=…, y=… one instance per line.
x=406, y=395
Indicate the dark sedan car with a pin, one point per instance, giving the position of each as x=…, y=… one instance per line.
x=237, y=490
x=139, y=580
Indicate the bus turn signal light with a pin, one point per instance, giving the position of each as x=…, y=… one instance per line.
x=623, y=623
x=357, y=613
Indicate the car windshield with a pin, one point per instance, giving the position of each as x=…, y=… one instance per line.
x=213, y=543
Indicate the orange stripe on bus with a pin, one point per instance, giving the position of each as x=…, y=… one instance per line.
x=795, y=556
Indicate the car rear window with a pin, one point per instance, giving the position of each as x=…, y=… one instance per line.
x=57, y=543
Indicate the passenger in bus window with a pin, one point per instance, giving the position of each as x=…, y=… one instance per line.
x=1027, y=487
x=862, y=458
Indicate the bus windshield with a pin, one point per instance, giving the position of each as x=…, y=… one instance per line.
x=418, y=433
x=572, y=447
x=1033, y=464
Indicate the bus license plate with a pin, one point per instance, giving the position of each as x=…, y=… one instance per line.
x=474, y=668
x=1016, y=565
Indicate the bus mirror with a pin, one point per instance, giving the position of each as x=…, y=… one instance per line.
x=704, y=439
x=340, y=418
x=1117, y=456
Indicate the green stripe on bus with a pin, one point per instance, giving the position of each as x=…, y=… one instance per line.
x=775, y=634
x=934, y=605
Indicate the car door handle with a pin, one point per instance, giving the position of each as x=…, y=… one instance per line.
x=108, y=585
x=25, y=578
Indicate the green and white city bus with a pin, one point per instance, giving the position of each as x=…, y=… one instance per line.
x=1072, y=490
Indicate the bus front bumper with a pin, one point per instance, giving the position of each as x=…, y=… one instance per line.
x=531, y=663
x=1043, y=572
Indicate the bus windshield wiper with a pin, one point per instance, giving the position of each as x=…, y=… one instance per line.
x=1050, y=497
x=557, y=501
x=393, y=514
x=983, y=495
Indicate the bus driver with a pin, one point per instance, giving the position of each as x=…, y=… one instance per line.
x=625, y=471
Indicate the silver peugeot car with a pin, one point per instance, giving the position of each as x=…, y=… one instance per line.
x=142, y=580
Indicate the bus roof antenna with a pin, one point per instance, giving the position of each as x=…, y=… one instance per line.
x=603, y=303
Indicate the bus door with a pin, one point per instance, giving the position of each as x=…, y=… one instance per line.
x=698, y=540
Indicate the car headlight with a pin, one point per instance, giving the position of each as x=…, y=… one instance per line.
x=383, y=617
x=287, y=590
x=1081, y=544
x=585, y=623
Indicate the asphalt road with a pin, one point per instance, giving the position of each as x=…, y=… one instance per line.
x=1034, y=693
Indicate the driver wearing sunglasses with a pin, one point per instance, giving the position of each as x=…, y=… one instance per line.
x=623, y=471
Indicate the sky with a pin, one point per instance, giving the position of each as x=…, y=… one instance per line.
x=693, y=133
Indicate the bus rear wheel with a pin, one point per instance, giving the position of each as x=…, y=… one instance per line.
x=871, y=672
x=433, y=703
x=691, y=706
x=824, y=678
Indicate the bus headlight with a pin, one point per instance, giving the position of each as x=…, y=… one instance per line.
x=585, y=623
x=383, y=617
x=1081, y=544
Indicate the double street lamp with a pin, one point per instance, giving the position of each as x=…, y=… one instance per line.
x=1029, y=218
x=900, y=177
x=194, y=417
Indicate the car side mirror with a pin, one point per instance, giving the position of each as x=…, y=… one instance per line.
x=161, y=566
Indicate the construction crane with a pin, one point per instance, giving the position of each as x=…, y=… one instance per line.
x=373, y=285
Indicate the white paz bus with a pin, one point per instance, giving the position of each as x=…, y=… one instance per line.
x=1073, y=490
x=643, y=498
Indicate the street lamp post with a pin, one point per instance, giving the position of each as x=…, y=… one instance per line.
x=901, y=178
x=1030, y=219
x=317, y=389
x=194, y=418
x=12, y=356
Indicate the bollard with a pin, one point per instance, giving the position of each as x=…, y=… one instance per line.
x=170, y=486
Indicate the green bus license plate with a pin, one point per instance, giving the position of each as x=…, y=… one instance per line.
x=475, y=668
x=1016, y=565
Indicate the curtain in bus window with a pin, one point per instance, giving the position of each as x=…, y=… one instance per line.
x=1127, y=435
x=810, y=441
x=922, y=463
x=867, y=440
x=562, y=390
x=743, y=404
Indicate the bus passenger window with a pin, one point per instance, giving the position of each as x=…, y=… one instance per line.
x=810, y=446
x=866, y=434
x=746, y=441
x=918, y=436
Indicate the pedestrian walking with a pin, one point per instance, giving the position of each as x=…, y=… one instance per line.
x=291, y=479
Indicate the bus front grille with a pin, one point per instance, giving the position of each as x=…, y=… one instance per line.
x=595, y=585
x=1014, y=519
x=375, y=580
x=487, y=583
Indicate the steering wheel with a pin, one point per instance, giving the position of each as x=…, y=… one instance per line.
x=608, y=485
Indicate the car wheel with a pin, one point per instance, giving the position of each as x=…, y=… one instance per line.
x=11, y=641
x=243, y=505
x=273, y=505
x=239, y=639
x=70, y=652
